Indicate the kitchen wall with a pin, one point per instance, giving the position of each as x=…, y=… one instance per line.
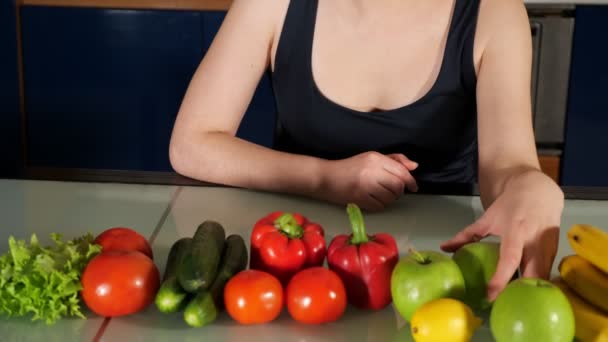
x=103, y=81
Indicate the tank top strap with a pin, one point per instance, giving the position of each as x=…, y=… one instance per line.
x=294, y=49
x=458, y=57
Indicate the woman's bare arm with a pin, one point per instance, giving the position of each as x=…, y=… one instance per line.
x=203, y=145
x=506, y=138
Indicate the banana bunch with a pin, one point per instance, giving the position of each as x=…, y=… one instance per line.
x=584, y=280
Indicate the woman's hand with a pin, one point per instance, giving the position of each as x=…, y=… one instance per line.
x=527, y=217
x=371, y=180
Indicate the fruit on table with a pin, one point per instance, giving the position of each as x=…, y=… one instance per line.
x=444, y=319
x=364, y=263
x=423, y=276
x=171, y=296
x=531, y=309
x=585, y=280
x=44, y=281
x=283, y=243
x=119, y=282
x=591, y=323
x=316, y=295
x=123, y=238
x=477, y=262
x=253, y=297
x=206, y=305
x=591, y=243
x=199, y=266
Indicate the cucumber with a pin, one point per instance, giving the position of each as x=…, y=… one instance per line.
x=234, y=260
x=201, y=310
x=176, y=253
x=201, y=261
x=171, y=295
x=207, y=304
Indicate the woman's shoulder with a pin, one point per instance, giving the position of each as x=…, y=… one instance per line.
x=500, y=18
x=265, y=12
x=496, y=15
x=502, y=11
x=253, y=23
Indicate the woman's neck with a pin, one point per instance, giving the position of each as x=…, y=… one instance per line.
x=370, y=13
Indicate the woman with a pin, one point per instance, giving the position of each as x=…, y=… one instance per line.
x=375, y=97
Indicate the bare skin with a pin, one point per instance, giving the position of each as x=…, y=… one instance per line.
x=362, y=59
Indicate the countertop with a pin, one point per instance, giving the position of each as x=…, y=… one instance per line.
x=165, y=213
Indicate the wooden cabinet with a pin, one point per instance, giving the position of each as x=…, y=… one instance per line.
x=551, y=166
x=10, y=120
x=586, y=144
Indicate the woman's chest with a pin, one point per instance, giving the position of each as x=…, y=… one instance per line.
x=438, y=126
x=375, y=65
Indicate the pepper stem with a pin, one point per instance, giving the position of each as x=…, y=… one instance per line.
x=288, y=225
x=358, y=226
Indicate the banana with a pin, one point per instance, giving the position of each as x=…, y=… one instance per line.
x=591, y=324
x=591, y=243
x=585, y=280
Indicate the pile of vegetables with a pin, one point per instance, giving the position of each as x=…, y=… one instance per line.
x=289, y=249
x=122, y=279
x=112, y=274
x=208, y=273
x=115, y=274
x=197, y=271
x=44, y=281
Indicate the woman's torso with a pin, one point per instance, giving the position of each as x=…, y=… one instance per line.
x=398, y=81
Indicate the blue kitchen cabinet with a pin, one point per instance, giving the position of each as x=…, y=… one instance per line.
x=259, y=122
x=10, y=121
x=103, y=86
x=586, y=144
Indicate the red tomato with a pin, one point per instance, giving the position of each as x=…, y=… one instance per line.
x=121, y=238
x=117, y=283
x=316, y=295
x=253, y=297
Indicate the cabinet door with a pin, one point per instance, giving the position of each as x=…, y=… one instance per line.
x=586, y=143
x=258, y=123
x=103, y=86
x=10, y=121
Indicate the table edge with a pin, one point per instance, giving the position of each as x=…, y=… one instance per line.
x=174, y=179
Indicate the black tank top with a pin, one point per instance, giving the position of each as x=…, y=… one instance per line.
x=439, y=131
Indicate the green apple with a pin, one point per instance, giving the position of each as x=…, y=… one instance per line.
x=477, y=262
x=423, y=276
x=531, y=309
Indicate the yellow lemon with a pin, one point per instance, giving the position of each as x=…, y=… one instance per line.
x=444, y=320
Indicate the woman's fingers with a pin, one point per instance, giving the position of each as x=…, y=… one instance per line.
x=382, y=180
x=472, y=233
x=402, y=173
x=383, y=196
x=392, y=184
x=537, y=260
x=405, y=161
x=400, y=166
x=511, y=251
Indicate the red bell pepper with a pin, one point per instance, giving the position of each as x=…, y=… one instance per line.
x=364, y=262
x=283, y=244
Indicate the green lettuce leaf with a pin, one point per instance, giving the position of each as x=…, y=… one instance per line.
x=44, y=282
